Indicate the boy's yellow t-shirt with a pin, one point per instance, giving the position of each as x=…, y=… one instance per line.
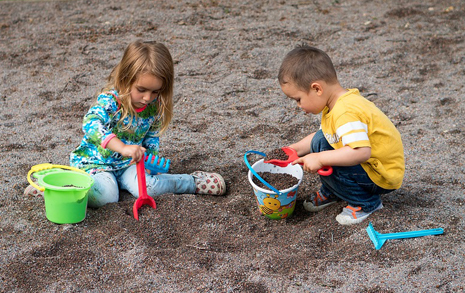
x=356, y=122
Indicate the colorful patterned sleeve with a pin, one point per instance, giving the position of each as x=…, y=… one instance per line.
x=97, y=122
x=152, y=142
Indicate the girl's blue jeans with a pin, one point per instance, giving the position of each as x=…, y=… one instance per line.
x=350, y=184
x=107, y=184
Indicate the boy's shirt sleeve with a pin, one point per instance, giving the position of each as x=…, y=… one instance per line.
x=97, y=122
x=352, y=131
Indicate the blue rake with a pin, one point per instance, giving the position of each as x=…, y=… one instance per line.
x=379, y=239
x=157, y=164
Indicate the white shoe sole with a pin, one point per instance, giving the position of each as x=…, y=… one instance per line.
x=345, y=219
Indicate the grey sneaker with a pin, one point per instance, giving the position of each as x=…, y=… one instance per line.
x=354, y=215
x=319, y=202
x=209, y=183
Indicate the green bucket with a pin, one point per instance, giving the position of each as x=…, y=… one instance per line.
x=65, y=192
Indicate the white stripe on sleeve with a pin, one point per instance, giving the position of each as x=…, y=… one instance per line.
x=353, y=137
x=351, y=126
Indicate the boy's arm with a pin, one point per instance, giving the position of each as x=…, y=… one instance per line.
x=303, y=146
x=345, y=156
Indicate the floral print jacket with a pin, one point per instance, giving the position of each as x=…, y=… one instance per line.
x=100, y=125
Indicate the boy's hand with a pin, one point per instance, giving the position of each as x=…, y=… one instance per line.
x=134, y=151
x=345, y=156
x=311, y=163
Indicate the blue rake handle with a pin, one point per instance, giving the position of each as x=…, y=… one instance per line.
x=379, y=239
x=255, y=173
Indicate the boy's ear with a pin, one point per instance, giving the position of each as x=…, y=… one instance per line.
x=317, y=87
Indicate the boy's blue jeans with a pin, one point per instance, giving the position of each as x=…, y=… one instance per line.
x=350, y=184
x=106, y=186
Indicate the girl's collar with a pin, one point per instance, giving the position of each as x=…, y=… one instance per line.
x=141, y=109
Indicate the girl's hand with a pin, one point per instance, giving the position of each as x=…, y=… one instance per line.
x=134, y=151
x=311, y=163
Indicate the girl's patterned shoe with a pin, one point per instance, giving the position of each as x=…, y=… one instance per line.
x=209, y=183
x=32, y=191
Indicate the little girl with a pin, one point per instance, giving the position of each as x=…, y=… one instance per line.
x=135, y=107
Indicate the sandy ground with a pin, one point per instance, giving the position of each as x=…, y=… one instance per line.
x=408, y=57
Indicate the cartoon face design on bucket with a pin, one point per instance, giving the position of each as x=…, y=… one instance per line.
x=270, y=206
x=272, y=203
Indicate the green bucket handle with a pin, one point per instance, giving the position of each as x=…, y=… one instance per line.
x=47, y=166
x=256, y=174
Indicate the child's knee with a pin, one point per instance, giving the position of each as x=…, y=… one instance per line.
x=105, y=190
x=97, y=198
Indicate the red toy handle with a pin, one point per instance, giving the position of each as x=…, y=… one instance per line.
x=325, y=171
x=143, y=198
x=141, y=178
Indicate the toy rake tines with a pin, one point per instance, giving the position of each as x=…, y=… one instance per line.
x=157, y=164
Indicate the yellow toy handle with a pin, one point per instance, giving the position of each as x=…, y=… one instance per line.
x=47, y=166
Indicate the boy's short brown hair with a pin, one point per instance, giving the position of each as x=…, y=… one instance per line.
x=305, y=65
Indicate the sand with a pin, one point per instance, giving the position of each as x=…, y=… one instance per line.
x=405, y=56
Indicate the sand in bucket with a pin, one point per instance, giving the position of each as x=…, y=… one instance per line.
x=272, y=204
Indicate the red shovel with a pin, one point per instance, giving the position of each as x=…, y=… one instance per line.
x=292, y=156
x=143, y=198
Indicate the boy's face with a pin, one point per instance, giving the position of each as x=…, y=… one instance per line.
x=311, y=102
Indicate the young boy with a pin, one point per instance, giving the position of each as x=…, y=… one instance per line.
x=355, y=137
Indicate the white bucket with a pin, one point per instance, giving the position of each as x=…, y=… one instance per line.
x=273, y=203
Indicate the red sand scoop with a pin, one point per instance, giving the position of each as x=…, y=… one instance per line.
x=292, y=156
x=144, y=198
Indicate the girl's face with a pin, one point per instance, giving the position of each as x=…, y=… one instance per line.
x=145, y=90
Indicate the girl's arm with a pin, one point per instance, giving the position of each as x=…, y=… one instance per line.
x=134, y=151
x=96, y=125
x=151, y=142
x=345, y=156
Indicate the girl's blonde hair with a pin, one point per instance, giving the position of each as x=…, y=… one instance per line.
x=141, y=58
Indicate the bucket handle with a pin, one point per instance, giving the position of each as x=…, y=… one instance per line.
x=255, y=173
x=47, y=166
